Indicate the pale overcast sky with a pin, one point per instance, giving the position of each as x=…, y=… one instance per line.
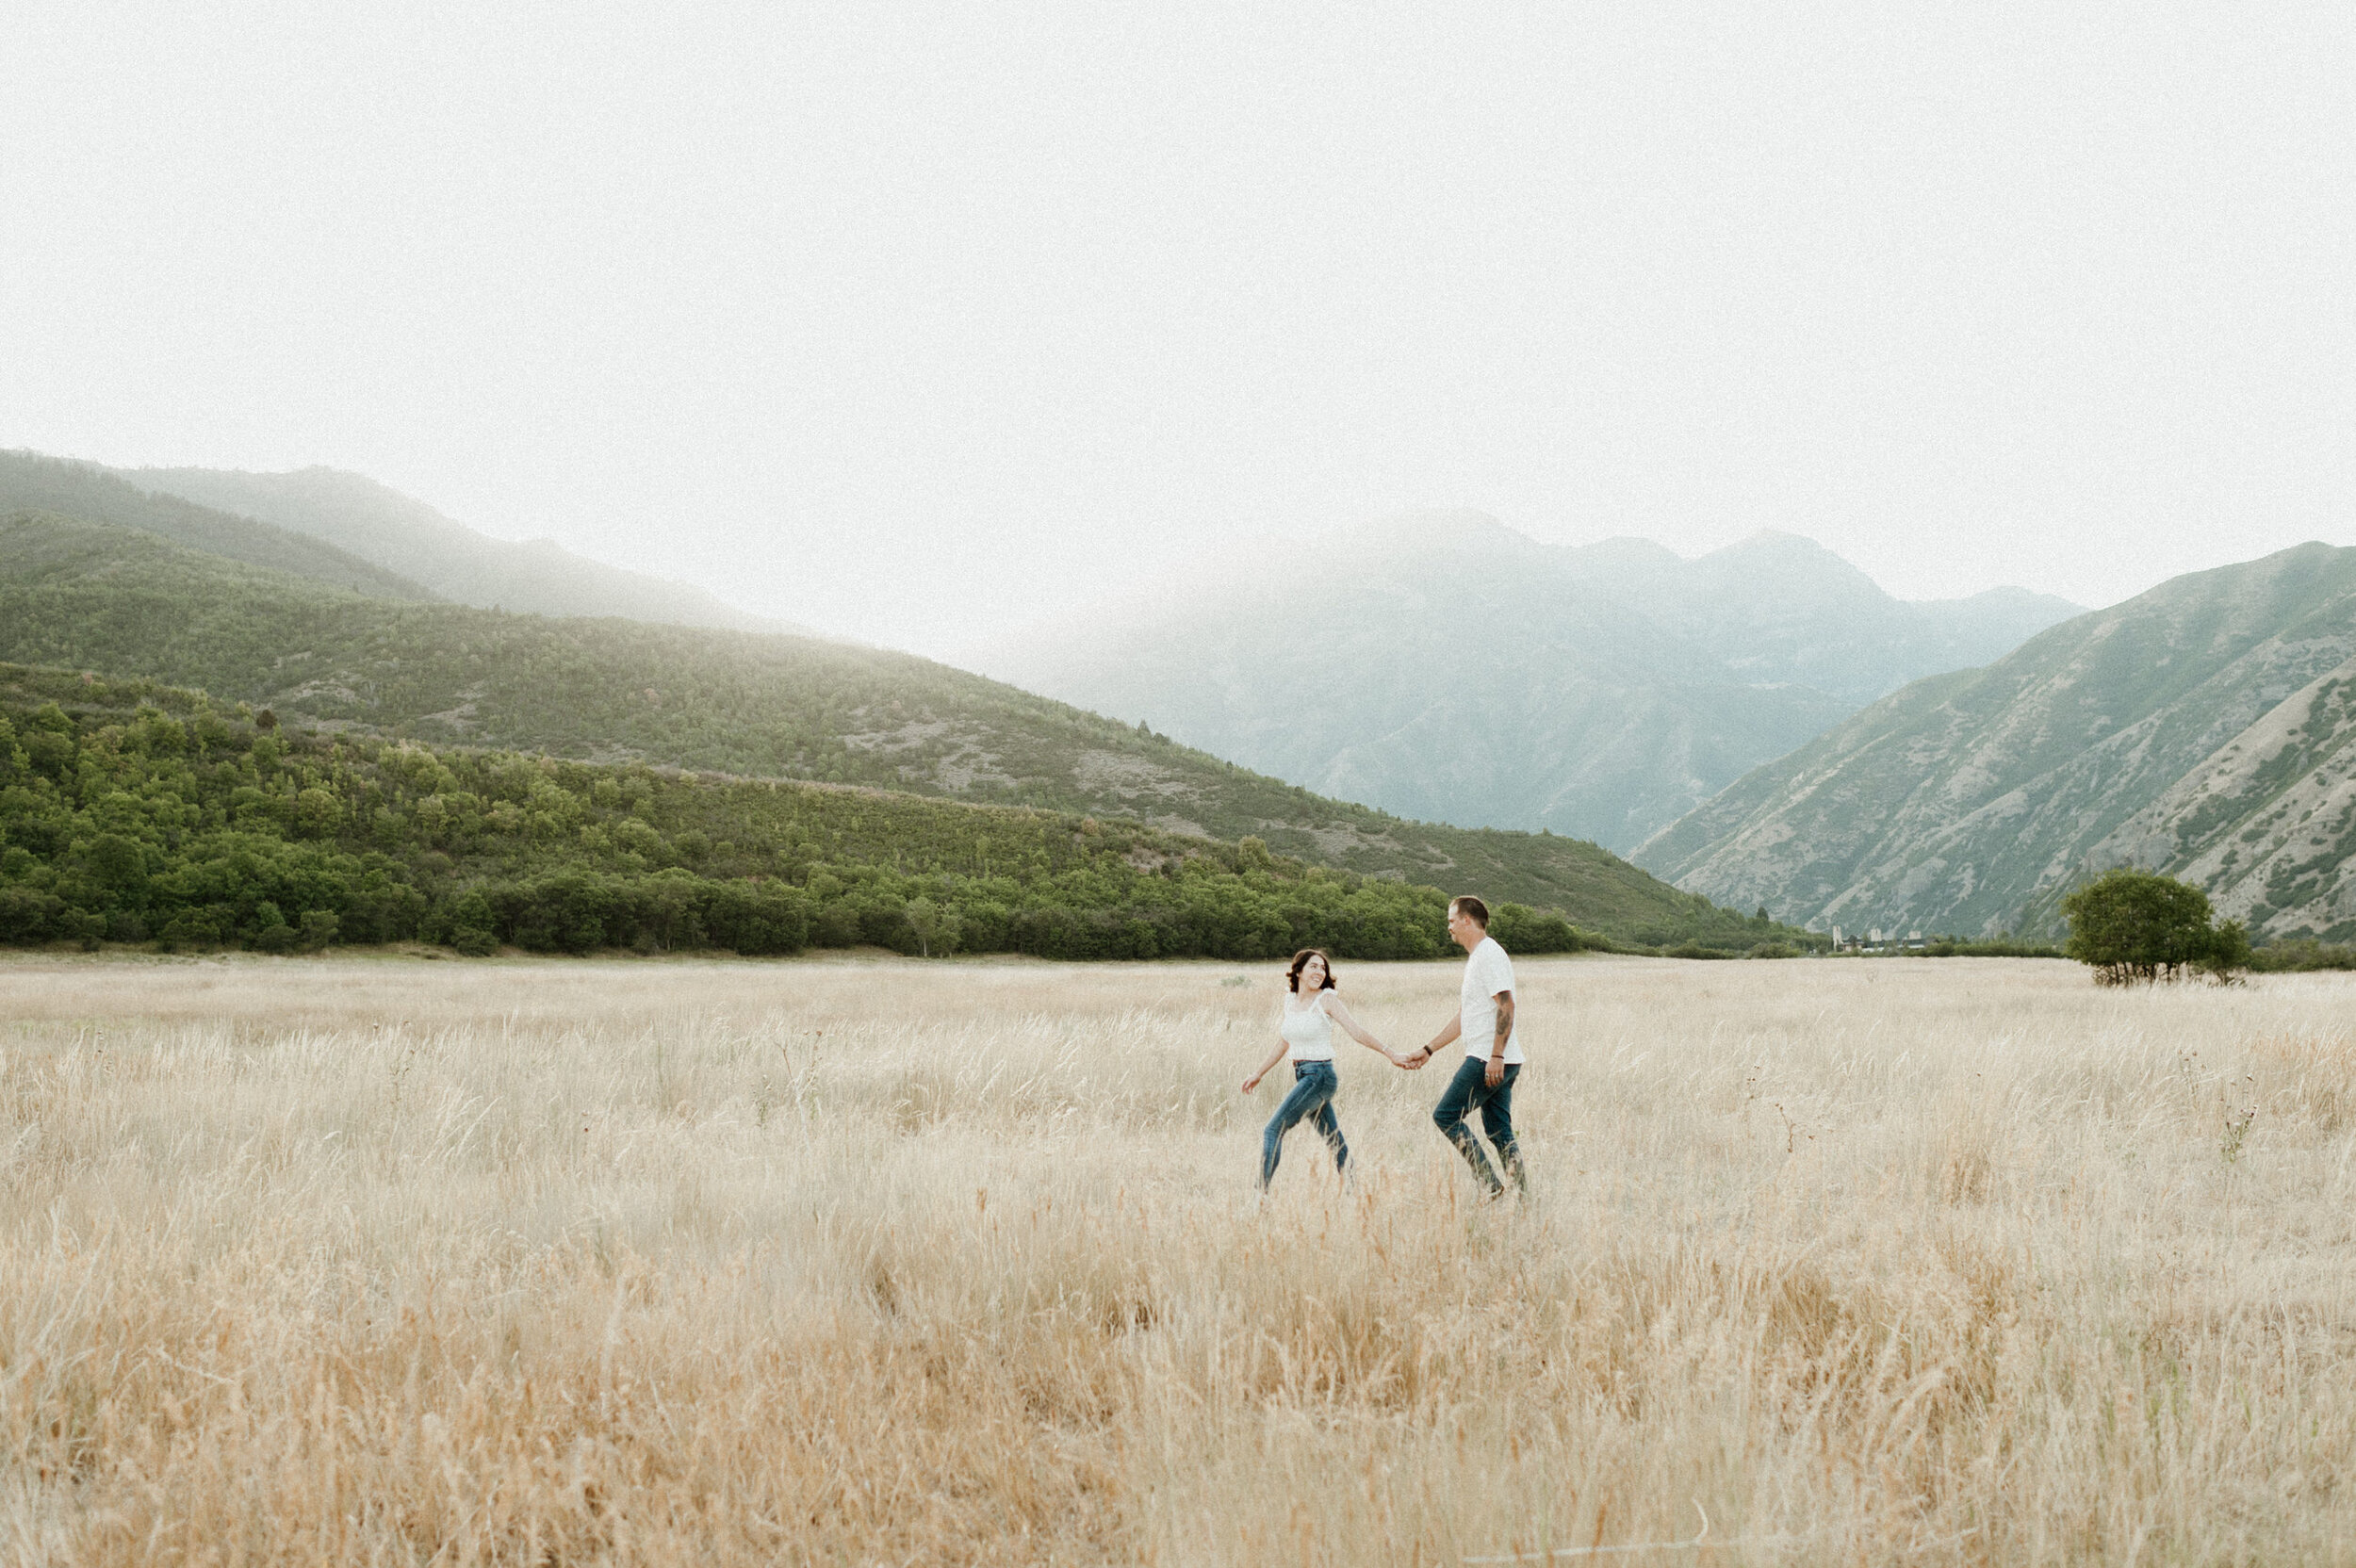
x=920, y=323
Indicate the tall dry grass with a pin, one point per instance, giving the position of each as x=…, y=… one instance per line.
x=862, y=1263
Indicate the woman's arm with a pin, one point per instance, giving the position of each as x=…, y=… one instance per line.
x=1273, y=1058
x=1340, y=1014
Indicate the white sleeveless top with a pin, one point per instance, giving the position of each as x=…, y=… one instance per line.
x=1307, y=1030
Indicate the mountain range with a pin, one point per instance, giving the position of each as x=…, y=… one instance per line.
x=278, y=619
x=1764, y=726
x=1444, y=667
x=2201, y=729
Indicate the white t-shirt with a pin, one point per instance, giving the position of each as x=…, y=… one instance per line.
x=1307, y=1029
x=1487, y=972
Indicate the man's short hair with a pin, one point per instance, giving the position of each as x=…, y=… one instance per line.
x=1471, y=909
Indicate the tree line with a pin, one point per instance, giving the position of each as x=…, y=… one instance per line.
x=131, y=812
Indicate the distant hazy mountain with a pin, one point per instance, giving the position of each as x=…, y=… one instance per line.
x=1444, y=667
x=407, y=536
x=2201, y=729
x=31, y=483
x=1781, y=608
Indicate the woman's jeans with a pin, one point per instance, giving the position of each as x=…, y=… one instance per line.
x=1469, y=1091
x=1311, y=1097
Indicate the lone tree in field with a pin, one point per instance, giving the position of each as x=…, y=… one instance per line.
x=2132, y=926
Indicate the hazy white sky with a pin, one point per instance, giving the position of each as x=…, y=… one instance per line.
x=919, y=322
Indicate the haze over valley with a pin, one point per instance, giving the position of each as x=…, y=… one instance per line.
x=1444, y=666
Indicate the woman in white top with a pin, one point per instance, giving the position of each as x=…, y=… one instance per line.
x=1312, y=1009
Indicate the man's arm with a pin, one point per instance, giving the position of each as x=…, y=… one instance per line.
x=1496, y=1074
x=1447, y=1037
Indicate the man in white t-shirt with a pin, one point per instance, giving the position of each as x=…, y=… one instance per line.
x=1493, y=1054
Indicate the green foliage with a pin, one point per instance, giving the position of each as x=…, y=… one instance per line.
x=2132, y=926
x=122, y=601
x=1518, y=928
x=2228, y=958
x=1992, y=947
x=135, y=812
x=2302, y=956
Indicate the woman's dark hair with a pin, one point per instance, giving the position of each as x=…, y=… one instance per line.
x=1300, y=961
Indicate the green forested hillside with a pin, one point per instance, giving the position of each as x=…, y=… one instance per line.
x=128, y=603
x=141, y=813
x=31, y=483
x=404, y=535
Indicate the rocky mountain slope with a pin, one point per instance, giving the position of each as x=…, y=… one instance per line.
x=127, y=602
x=2199, y=729
x=1444, y=667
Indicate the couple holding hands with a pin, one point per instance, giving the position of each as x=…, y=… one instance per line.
x=1484, y=1081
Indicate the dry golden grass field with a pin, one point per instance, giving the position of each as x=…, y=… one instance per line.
x=874, y=1262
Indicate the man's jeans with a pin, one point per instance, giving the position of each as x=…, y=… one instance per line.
x=1311, y=1097
x=1469, y=1091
